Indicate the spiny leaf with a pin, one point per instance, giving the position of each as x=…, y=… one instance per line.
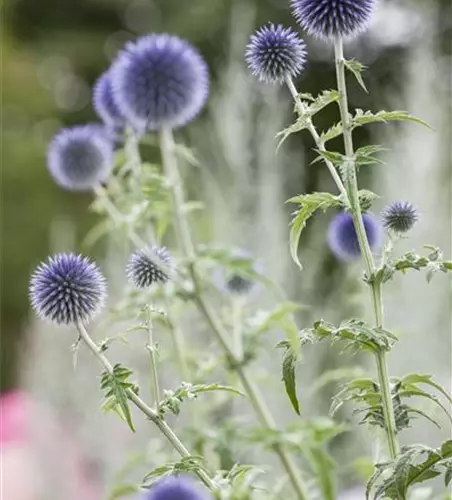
x=333, y=132
x=191, y=463
x=322, y=100
x=116, y=386
x=331, y=156
x=298, y=126
x=309, y=203
x=363, y=118
x=365, y=155
x=356, y=68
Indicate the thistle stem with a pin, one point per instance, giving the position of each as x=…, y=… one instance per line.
x=352, y=190
x=319, y=143
x=183, y=233
x=164, y=428
x=152, y=357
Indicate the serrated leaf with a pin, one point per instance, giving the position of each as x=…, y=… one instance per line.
x=364, y=118
x=298, y=126
x=356, y=68
x=288, y=374
x=322, y=100
x=309, y=204
x=331, y=156
x=116, y=385
x=365, y=155
x=333, y=132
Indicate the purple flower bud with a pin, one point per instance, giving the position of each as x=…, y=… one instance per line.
x=67, y=288
x=274, y=53
x=342, y=237
x=81, y=157
x=332, y=18
x=159, y=81
x=143, y=269
x=400, y=216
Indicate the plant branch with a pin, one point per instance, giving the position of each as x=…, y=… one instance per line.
x=183, y=233
x=320, y=145
x=352, y=189
x=164, y=428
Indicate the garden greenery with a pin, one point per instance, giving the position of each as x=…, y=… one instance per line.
x=155, y=85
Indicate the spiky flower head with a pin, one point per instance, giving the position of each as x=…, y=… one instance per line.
x=159, y=81
x=274, y=53
x=342, y=237
x=400, y=216
x=104, y=104
x=177, y=488
x=81, y=157
x=146, y=266
x=67, y=288
x=332, y=18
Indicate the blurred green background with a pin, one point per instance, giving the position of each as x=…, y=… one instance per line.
x=53, y=50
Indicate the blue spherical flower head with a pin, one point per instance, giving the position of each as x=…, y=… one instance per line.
x=80, y=158
x=400, y=216
x=342, y=237
x=159, y=81
x=67, y=288
x=177, y=488
x=144, y=266
x=275, y=53
x=332, y=18
x=104, y=104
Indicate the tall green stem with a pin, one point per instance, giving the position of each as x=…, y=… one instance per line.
x=352, y=190
x=151, y=346
x=164, y=428
x=183, y=233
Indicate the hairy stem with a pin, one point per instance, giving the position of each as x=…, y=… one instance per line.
x=352, y=189
x=164, y=428
x=312, y=130
x=151, y=347
x=183, y=233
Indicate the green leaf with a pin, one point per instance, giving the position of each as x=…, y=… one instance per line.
x=333, y=132
x=188, y=464
x=298, y=126
x=356, y=68
x=116, y=386
x=322, y=100
x=331, y=156
x=173, y=399
x=365, y=155
x=393, y=479
x=364, y=118
x=309, y=203
x=288, y=374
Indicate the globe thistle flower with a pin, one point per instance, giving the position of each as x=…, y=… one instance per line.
x=143, y=267
x=104, y=104
x=274, y=53
x=67, y=288
x=400, y=216
x=332, y=18
x=159, y=81
x=342, y=237
x=81, y=157
x=177, y=488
